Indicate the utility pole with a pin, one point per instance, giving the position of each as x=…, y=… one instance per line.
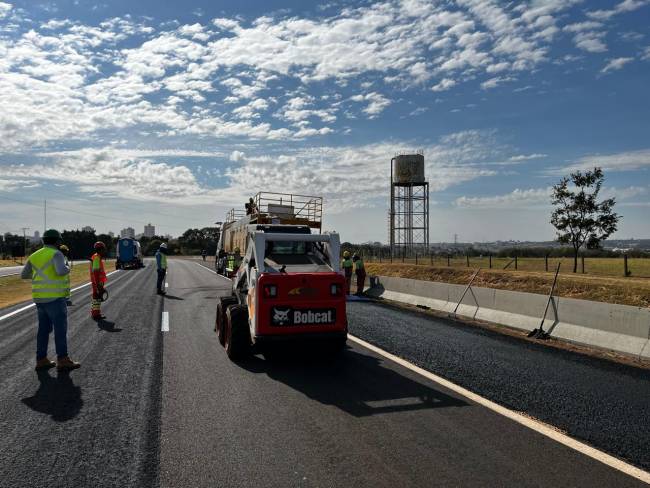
x=25, y=229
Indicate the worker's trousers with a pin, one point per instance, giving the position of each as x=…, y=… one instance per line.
x=348, y=283
x=361, y=281
x=161, y=280
x=96, y=303
x=52, y=316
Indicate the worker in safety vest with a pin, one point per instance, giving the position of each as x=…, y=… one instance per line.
x=161, y=266
x=50, y=287
x=234, y=260
x=65, y=250
x=98, y=280
x=360, y=272
x=346, y=264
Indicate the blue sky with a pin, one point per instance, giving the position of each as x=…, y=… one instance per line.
x=120, y=113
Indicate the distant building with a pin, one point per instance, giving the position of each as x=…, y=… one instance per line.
x=149, y=230
x=88, y=228
x=128, y=232
x=36, y=238
x=111, y=234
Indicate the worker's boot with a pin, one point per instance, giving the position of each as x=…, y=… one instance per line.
x=44, y=363
x=66, y=364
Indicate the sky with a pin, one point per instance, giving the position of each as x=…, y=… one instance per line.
x=120, y=113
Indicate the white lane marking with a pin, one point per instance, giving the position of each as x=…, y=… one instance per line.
x=214, y=272
x=164, y=323
x=535, y=425
x=166, y=285
x=27, y=307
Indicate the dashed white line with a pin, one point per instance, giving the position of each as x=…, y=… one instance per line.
x=27, y=307
x=535, y=425
x=164, y=322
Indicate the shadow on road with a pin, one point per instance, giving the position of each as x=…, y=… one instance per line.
x=57, y=397
x=356, y=383
x=108, y=326
x=172, y=297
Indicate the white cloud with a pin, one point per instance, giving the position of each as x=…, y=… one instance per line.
x=526, y=157
x=623, y=7
x=376, y=103
x=646, y=54
x=494, y=82
x=536, y=197
x=5, y=8
x=615, y=64
x=624, y=161
x=443, y=85
x=519, y=198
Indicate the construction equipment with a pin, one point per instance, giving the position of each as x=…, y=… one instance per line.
x=129, y=254
x=287, y=284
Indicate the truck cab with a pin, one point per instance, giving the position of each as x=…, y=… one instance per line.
x=288, y=286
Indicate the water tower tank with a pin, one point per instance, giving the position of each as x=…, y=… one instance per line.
x=408, y=169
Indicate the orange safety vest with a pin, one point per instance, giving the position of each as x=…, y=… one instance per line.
x=97, y=264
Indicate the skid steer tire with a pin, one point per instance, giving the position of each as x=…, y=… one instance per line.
x=238, y=341
x=220, y=320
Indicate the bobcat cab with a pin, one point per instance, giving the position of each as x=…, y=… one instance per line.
x=288, y=285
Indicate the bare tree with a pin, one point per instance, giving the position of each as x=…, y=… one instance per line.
x=579, y=218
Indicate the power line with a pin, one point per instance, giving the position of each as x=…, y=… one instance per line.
x=79, y=212
x=50, y=190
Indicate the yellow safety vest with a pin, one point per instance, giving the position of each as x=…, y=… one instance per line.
x=46, y=284
x=163, y=260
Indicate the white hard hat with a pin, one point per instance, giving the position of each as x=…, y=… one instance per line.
x=163, y=245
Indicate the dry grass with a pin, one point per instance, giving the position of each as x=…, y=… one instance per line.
x=625, y=291
x=638, y=267
x=14, y=290
x=9, y=262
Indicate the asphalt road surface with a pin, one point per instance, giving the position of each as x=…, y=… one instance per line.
x=152, y=408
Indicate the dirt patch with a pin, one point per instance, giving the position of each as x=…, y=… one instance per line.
x=624, y=291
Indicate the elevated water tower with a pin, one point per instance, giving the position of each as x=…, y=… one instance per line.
x=409, y=205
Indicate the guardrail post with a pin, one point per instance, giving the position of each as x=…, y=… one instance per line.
x=416, y=259
x=448, y=261
x=582, y=262
x=515, y=262
x=490, y=258
x=467, y=257
x=431, y=258
x=625, y=270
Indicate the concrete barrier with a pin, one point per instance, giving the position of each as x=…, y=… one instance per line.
x=619, y=328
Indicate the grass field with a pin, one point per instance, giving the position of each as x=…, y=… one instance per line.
x=9, y=262
x=14, y=290
x=625, y=291
x=638, y=267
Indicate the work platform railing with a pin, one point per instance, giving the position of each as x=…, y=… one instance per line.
x=282, y=208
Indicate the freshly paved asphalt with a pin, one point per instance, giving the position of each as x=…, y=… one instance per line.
x=149, y=408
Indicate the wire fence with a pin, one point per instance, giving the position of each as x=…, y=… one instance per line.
x=623, y=266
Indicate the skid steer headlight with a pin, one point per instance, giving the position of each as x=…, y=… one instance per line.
x=270, y=291
x=335, y=289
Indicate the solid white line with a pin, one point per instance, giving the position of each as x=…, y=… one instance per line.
x=164, y=323
x=213, y=272
x=533, y=424
x=27, y=307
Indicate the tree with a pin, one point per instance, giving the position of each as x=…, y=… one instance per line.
x=193, y=241
x=578, y=216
